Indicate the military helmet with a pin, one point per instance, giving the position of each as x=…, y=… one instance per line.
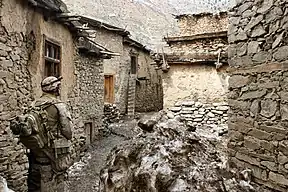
x=50, y=83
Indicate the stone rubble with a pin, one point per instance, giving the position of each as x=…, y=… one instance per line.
x=111, y=115
x=171, y=158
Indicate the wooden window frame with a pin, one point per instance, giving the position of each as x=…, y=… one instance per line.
x=56, y=60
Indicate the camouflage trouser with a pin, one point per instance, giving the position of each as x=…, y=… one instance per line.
x=51, y=182
x=41, y=178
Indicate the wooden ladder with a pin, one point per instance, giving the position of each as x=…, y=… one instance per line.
x=131, y=95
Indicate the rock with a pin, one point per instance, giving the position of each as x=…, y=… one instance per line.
x=253, y=22
x=261, y=57
x=188, y=103
x=147, y=124
x=198, y=120
x=266, y=5
x=281, y=53
x=3, y=185
x=222, y=108
x=175, y=109
x=258, y=31
x=237, y=81
x=191, y=126
x=210, y=114
x=277, y=178
x=241, y=36
x=253, y=47
x=170, y=159
x=6, y=63
x=170, y=115
x=277, y=41
x=284, y=111
x=268, y=108
x=4, y=47
x=253, y=94
x=254, y=109
x=217, y=112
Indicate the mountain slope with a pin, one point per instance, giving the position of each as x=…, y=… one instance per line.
x=147, y=20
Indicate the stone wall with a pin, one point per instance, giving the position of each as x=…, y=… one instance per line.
x=87, y=98
x=199, y=114
x=15, y=93
x=119, y=67
x=115, y=66
x=22, y=32
x=149, y=92
x=198, y=50
x=202, y=23
x=197, y=82
x=258, y=91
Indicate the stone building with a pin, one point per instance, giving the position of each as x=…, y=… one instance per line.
x=37, y=40
x=196, y=60
x=258, y=56
x=131, y=82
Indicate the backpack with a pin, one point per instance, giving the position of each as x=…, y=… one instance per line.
x=31, y=127
x=33, y=132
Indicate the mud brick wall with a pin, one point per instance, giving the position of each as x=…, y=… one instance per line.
x=258, y=86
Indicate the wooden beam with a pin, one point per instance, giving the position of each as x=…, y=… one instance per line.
x=196, y=37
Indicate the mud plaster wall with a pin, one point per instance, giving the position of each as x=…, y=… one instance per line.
x=149, y=93
x=258, y=118
x=194, y=82
x=115, y=66
x=21, y=70
x=199, y=24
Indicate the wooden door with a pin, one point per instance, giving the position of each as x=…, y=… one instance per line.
x=109, y=89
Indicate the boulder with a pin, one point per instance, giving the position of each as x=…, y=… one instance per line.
x=168, y=157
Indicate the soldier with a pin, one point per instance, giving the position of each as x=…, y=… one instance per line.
x=49, y=163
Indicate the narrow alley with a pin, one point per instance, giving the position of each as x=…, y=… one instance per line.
x=143, y=95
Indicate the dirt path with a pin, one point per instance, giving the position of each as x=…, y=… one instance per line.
x=84, y=175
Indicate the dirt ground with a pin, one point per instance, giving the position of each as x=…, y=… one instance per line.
x=84, y=175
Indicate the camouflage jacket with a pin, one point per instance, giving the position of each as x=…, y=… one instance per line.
x=59, y=118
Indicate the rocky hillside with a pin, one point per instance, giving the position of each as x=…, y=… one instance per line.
x=147, y=20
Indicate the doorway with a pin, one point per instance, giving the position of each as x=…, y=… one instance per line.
x=109, y=89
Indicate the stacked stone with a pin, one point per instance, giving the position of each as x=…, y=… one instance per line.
x=111, y=114
x=201, y=46
x=258, y=86
x=15, y=93
x=199, y=114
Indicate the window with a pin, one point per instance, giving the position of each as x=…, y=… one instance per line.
x=52, y=59
x=134, y=64
x=109, y=89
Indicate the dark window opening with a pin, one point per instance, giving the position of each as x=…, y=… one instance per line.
x=133, y=64
x=52, y=59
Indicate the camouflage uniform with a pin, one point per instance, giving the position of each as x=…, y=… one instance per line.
x=42, y=175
